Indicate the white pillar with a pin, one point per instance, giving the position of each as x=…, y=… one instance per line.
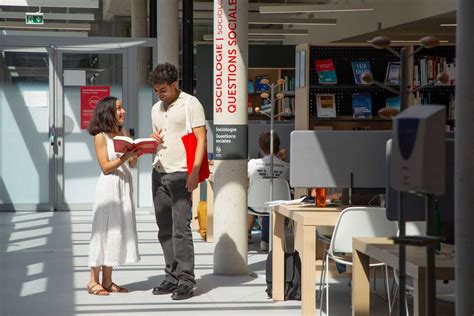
x=139, y=29
x=464, y=159
x=167, y=31
x=230, y=136
x=139, y=18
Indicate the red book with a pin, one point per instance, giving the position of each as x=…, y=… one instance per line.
x=326, y=71
x=147, y=145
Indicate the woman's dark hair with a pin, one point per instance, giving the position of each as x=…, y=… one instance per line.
x=104, y=117
x=163, y=73
x=264, y=142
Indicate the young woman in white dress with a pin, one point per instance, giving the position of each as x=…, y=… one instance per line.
x=114, y=233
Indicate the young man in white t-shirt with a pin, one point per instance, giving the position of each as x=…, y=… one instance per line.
x=171, y=185
x=260, y=169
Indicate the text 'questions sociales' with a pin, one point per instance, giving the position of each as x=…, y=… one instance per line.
x=226, y=57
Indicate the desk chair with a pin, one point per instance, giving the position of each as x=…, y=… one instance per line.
x=259, y=193
x=355, y=222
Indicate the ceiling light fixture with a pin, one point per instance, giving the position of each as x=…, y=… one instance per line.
x=46, y=26
x=409, y=41
x=293, y=21
x=313, y=9
x=50, y=16
x=292, y=32
x=268, y=38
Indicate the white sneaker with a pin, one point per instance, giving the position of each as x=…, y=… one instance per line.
x=263, y=246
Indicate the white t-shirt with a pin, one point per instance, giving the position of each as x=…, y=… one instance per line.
x=260, y=168
x=171, y=155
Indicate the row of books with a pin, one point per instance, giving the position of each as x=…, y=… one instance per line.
x=427, y=68
x=286, y=105
x=361, y=104
x=289, y=84
x=327, y=72
x=258, y=86
x=425, y=71
x=426, y=98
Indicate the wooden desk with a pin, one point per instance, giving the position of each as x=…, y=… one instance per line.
x=384, y=250
x=307, y=219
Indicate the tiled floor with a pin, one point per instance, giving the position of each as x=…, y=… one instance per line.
x=43, y=271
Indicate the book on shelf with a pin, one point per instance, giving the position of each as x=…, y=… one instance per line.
x=287, y=105
x=147, y=145
x=326, y=105
x=326, y=71
x=392, y=76
x=358, y=68
x=250, y=86
x=266, y=107
x=427, y=69
x=259, y=86
x=249, y=106
x=451, y=107
x=361, y=105
x=393, y=102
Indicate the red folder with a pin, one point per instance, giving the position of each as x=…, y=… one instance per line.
x=190, y=145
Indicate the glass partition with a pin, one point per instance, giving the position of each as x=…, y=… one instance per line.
x=80, y=168
x=145, y=103
x=24, y=127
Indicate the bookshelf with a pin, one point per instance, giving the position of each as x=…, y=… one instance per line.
x=273, y=74
x=342, y=55
x=428, y=63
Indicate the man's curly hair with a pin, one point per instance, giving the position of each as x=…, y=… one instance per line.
x=163, y=73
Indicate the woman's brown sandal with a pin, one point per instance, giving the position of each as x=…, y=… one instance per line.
x=114, y=288
x=99, y=290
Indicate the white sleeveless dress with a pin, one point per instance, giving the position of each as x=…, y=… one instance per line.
x=114, y=238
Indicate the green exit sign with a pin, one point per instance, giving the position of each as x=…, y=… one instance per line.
x=34, y=18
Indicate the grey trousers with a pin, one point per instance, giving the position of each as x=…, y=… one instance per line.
x=173, y=214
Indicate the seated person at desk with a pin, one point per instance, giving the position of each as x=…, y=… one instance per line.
x=260, y=169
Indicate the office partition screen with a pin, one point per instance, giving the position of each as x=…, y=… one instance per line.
x=329, y=158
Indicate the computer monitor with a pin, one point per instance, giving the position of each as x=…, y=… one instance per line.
x=338, y=159
x=414, y=205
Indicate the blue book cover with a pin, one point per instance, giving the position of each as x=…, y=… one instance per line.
x=261, y=87
x=250, y=87
x=361, y=105
x=360, y=67
x=393, y=102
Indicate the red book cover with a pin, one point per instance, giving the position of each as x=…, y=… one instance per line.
x=147, y=145
x=326, y=71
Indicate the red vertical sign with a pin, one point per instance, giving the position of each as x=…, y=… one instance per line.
x=90, y=96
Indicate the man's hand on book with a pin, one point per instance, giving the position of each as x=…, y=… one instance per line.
x=157, y=136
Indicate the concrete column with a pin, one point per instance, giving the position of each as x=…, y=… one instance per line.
x=230, y=136
x=464, y=159
x=168, y=31
x=139, y=29
x=138, y=16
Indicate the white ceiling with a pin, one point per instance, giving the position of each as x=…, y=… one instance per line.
x=399, y=19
